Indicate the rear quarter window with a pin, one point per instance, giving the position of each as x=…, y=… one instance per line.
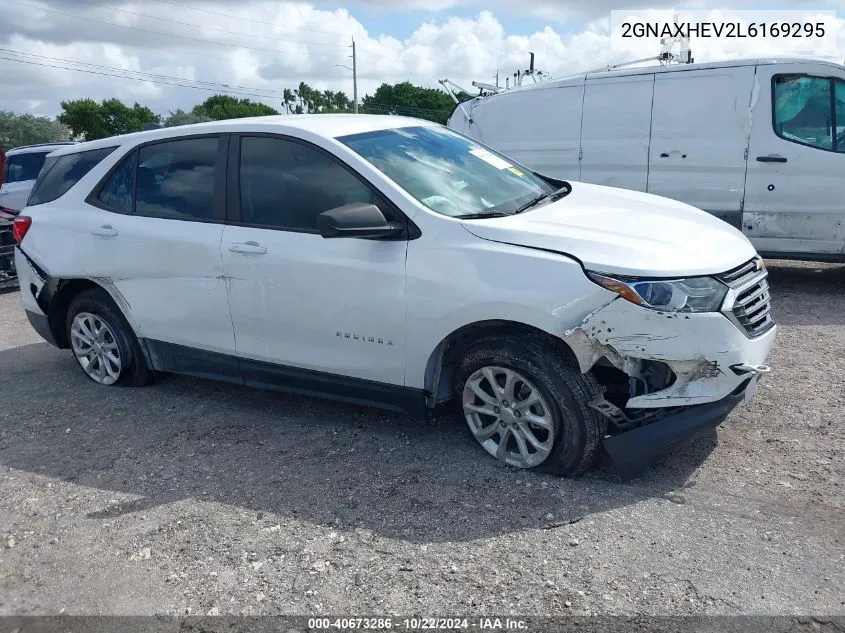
x=63, y=172
x=23, y=167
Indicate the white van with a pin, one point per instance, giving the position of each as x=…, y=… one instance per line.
x=759, y=143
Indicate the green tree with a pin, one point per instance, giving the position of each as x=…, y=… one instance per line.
x=221, y=107
x=305, y=99
x=27, y=129
x=288, y=100
x=407, y=99
x=90, y=120
x=180, y=117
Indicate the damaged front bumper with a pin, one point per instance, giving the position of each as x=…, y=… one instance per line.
x=632, y=451
x=708, y=354
x=672, y=374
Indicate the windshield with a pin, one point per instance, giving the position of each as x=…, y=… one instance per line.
x=447, y=172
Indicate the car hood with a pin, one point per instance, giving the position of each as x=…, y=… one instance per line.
x=624, y=232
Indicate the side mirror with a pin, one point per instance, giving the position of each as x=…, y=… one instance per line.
x=356, y=220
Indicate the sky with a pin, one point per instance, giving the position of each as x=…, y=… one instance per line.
x=169, y=54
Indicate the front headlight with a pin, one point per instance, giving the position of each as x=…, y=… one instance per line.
x=696, y=294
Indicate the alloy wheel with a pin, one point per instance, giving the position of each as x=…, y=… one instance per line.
x=96, y=348
x=508, y=416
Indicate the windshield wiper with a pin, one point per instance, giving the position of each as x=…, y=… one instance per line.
x=557, y=193
x=481, y=215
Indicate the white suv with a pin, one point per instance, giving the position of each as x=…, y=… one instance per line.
x=20, y=169
x=392, y=262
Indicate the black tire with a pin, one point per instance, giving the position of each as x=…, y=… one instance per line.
x=579, y=429
x=134, y=371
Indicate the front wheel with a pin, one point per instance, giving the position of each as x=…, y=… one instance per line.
x=527, y=405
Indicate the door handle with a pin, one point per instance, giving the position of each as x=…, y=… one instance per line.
x=250, y=248
x=771, y=159
x=105, y=231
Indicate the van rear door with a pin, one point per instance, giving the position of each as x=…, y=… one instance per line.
x=699, y=138
x=793, y=202
x=615, y=131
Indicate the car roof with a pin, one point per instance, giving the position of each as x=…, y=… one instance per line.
x=326, y=125
x=39, y=147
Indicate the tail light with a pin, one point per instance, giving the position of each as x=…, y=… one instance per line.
x=20, y=226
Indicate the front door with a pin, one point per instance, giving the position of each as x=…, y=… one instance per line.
x=793, y=202
x=305, y=307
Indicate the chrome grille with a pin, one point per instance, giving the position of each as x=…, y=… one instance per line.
x=749, y=304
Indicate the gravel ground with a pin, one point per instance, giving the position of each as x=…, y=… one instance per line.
x=193, y=497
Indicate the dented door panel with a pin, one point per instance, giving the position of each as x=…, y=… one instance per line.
x=166, y=275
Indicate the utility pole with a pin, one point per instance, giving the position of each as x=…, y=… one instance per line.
x=354, y=78
x=354, y=70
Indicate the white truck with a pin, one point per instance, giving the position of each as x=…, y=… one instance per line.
x=759, y=143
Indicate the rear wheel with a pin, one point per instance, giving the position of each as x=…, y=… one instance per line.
x=103, y=343
x=527, y=405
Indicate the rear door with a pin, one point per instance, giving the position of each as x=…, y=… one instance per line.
x=615, y=131
x=699, y=136
x=794, y=203
x=150, y=234
x=19, y=176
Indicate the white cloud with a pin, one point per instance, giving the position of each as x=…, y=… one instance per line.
x=268, y=46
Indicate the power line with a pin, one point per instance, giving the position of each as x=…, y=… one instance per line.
x=210, y=28
x=154, y=81
x=122, y=73
x=145, y=75
x=235, y=17
x=184, y=37
x=378, y=108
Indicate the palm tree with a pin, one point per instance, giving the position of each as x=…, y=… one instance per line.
x=305, y=92
x=287, y=99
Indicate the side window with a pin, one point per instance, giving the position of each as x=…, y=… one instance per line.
x=286, y=185
x=804, y=112
x=63, y=172
x=116, y=193
x=21, y=167
x=176, y=179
